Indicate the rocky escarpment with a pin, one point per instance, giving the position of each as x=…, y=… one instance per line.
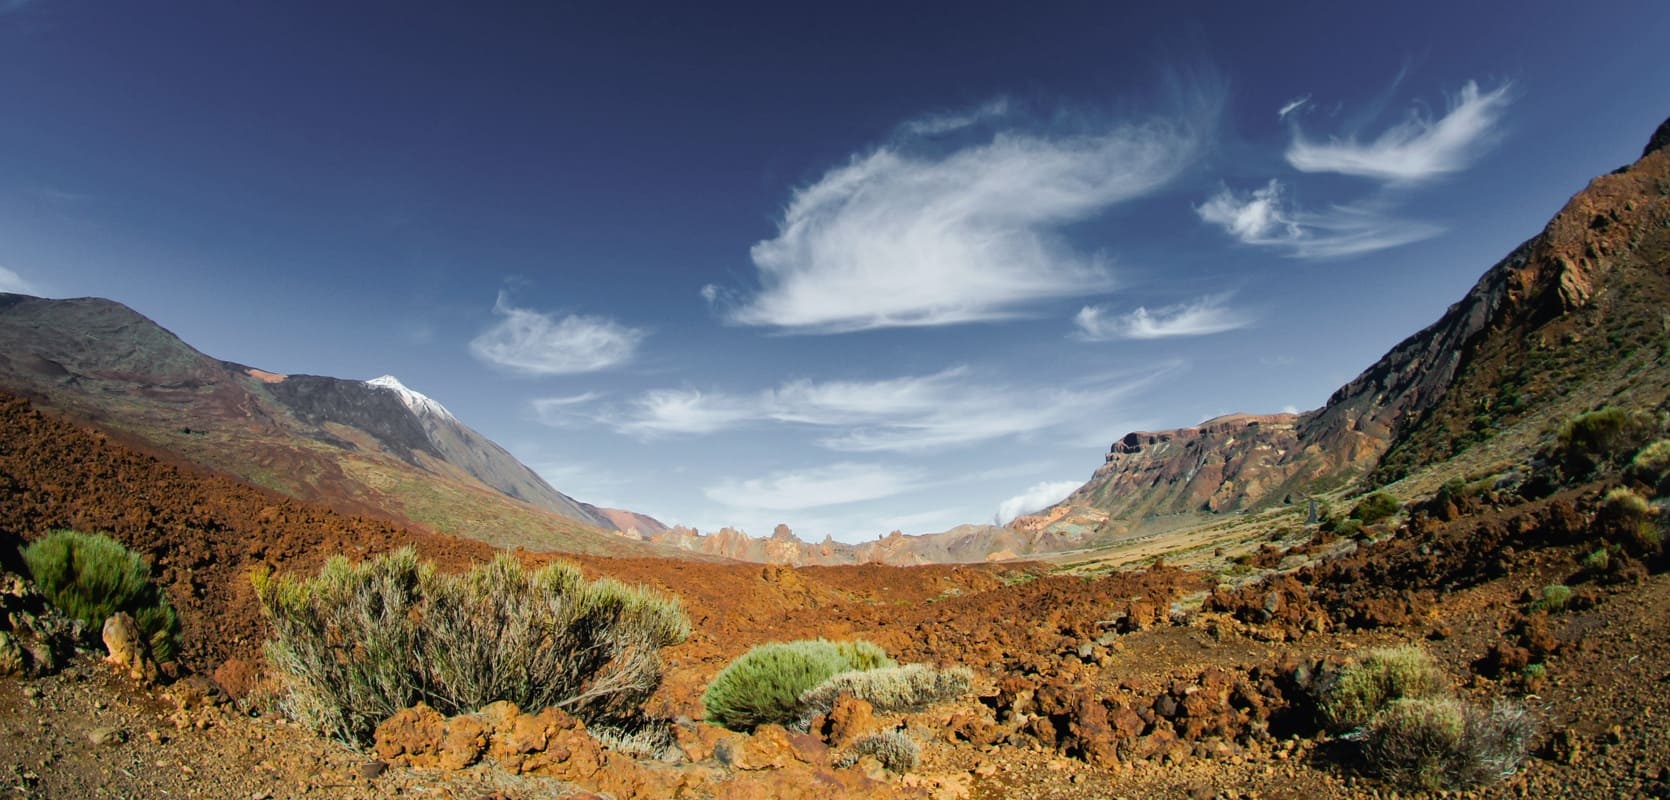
x=1211, y=467
x=1570, y=319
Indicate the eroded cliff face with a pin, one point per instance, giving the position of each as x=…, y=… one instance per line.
x=1569, y=319
x=1211, y=467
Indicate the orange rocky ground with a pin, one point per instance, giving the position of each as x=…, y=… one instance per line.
x=1157, y=682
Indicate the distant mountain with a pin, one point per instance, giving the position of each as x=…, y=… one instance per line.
x=373, y=446
x=1571, y=319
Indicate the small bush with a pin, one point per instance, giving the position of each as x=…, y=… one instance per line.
x=1628, y=517
x=1440, y=743
x=1651, y=466
x=1362, y=690
x=1602, y=437
x=896, y=751
x=1598, y=561
x=1375, y=507
x=763, y=686
x=362, y=641
x=91, y=577
x=1554, y=598
x=911, y=687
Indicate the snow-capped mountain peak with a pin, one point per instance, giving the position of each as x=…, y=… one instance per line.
x=416, y=401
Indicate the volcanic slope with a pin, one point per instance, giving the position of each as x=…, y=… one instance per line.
x=1572, y=319
x=367, y=447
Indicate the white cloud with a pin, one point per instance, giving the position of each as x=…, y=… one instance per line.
x=1417, y=148
x=14, y=283
x=897, y=237
x=1264, y=218
x=836, y=484
x=947, y=122
x=1292, y=105
x=542, y=344
x=688, y=411
x=1036, y=498
x=912, y=413
x=1199, y=318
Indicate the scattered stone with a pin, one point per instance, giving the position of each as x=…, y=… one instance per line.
x=100, y=737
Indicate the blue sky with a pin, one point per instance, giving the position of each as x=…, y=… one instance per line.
x=853, y=269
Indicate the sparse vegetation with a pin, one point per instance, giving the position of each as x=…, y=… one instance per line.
x=1365, y=689
x=1606, y=436
x=92, y=576
x=362, y=641
x=1598, y=561
x=1554, y=598
x=1651, y=466
x=911, y=687
x=1441, y=743
x=1375, y=507
x=896, y=751
x=764, y=685
x=1627, y=517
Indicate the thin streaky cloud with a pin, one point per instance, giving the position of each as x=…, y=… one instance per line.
x=1265, y=218
x=1292, y=105
x=534, y=343
x=832, y=485
x=1416, y=149
x=909, y=414
x=947, y=122
x=1202, y=317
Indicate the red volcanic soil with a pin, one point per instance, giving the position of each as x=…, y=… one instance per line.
x=1155, y=682
x=203, y=532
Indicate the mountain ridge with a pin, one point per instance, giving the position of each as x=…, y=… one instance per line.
x=1594, y=273
x=359, y=446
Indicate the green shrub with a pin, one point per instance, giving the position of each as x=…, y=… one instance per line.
x=362, y=641
x=1629, y=518
x=1598, y=561
x=91, y=577
x=1375, y=507
x=763, y=686
x=1440, y=743
x=1604, y=436
x=1364, y=689
x=912, y=687
x=1554, y=598
x=896, y=751
x=1651, y=466
x=1534, y=672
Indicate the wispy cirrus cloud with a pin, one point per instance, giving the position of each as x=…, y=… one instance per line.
x=1266, y=218
x=1201, y=317
x=1291, y=106
x=910, y=234
x=1418, y=148
x=907, y=414
x=816, y=487
x=1037, y=497
x=14, y=283
x=534, y=343
x=949, y=121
